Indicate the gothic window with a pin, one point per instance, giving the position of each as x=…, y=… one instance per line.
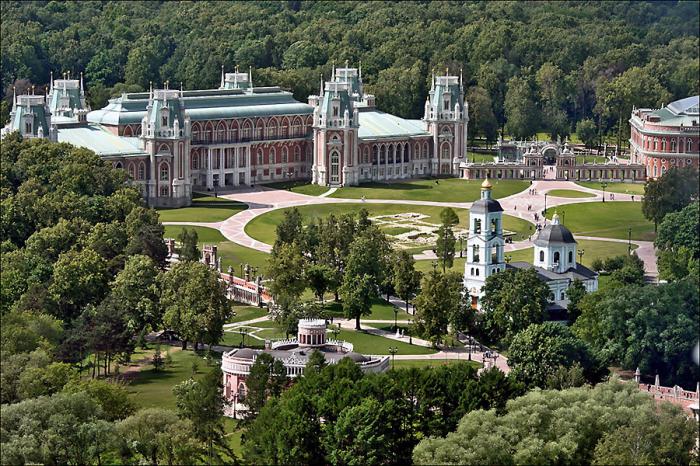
x=335, y=167
x=365, y=155
x=446, y=104
x=164, y=190
x=335, y=110
x=221, y=132
x=375, y=154
x=405, y=154
x=260, y=156
x=284, y=155
x=118, y=165
x=284, y=128
x=27, y=127
x=127, y=131
x=245, y=132
x=242, y=156
x=556, y=257
x=663, y=145
x=273, y=155
x=195, y=132
x=233, y=132
x=382, y=155
x=272, y=130
x=142, y=171
x=195, y=161
x=571, y=257
x=673, y=145
x=163, y=171
x=541, y=256
x=445, y=151
x=656, y=142
x=688, y=145
x=259, y=130
x=426, y=152
x=297, y=154
x=131, y=171
x=164, y=120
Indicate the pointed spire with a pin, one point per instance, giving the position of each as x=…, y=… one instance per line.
x=82, y=87
x=432, y=80
x=346, y=63
x=51, y=83
x=461, y=86
x=333, y=72
x=68, y=74
x=150, y=90
x=182, y=91
x=32, y=89
x=222, y=76
x=320, y=92
x=447, y=71
x=14, y=98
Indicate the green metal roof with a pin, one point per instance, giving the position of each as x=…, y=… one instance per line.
x=375, y=124
x=100, y=141
x=205, y=105
x=36, y=108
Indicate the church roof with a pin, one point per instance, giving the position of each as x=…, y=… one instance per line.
x=580, y=272
x=687, y=106
x=554, y=233
x=484, y=206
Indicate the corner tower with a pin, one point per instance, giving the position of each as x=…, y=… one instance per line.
x=166, y=136
x=335, y=128
x=446, y=115
x=485, y=244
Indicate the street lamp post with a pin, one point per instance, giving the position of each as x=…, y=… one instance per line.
x=580, y=255
x=393, y=350
x=545, y=203
x=604, y=185
x=629, y=241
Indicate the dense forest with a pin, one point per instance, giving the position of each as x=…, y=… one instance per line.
x=558, y=63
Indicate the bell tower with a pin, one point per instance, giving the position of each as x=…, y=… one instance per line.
x=485, y=244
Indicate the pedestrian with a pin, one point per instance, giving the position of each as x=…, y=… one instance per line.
x=515, y=207
x=632, y=197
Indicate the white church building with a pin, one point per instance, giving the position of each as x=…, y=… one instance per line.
x=554, y=254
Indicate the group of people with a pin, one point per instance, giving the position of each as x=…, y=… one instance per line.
x=532, y=192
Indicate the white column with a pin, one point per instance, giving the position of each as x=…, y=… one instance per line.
x=247, y=165
x=222, y=165
x=210, y=172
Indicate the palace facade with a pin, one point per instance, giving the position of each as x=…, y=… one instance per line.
x=667, y=137
x=172, y=141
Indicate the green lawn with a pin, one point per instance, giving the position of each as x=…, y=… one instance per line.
x=204, y=209
x=592, y=250
x=426, y=265
x=442, y=190
x=590, y=159
x=623, y=188
x=393, y=231
x=262, y=227
x=568, y=193
x=232, y=254
x=233, y=433
x=381, y=310
x=367, y=343
x=244, y=312
x=150, y=389
x=422, y=363
x=300, y=187
x=605, y=219
x=474, y=157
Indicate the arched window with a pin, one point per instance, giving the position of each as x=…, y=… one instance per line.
x=556, y=257
x=673, y=145
x=284, y=154
x=663, y=145
x=164, y=190
x=571, y=257
x=445, y=150
x=246, y=131
x=260, y=156
x=365, y=155
x=656, y=143
x=195, y=160
x=273, y=155
x=541, y=256
x=118, y=165
x=562, y=296
x=164, y=172
x=132, y=171
x=284, y=128
x=259, y=130
x=335, y=167
x=142, y=171
x=297, y=154
x=688, y=145
x=221, y=131
x=208, y=132
x=196, y=133
x=375, y=154
x=477, y=272
x=233, y=131
x=127, y=131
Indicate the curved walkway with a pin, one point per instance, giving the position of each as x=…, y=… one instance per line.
x=261, y=200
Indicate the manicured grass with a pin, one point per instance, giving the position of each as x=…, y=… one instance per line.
x=202, y=198
x=590, y=159
x=422, y=363
x=592, y=250
x=233, y=432
x=244, y=313
x=605, y=219
x=150, y=389
x=262, y=228
x=381, y=310
x=367, y=343
x=232, y=254
x=300, y=187
x=203, y=211
x=569, y=193
x=426, y=265
x=623, y=188
x=390, y=327
x=393, y=231
x=442, y=190
x=234, y=339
